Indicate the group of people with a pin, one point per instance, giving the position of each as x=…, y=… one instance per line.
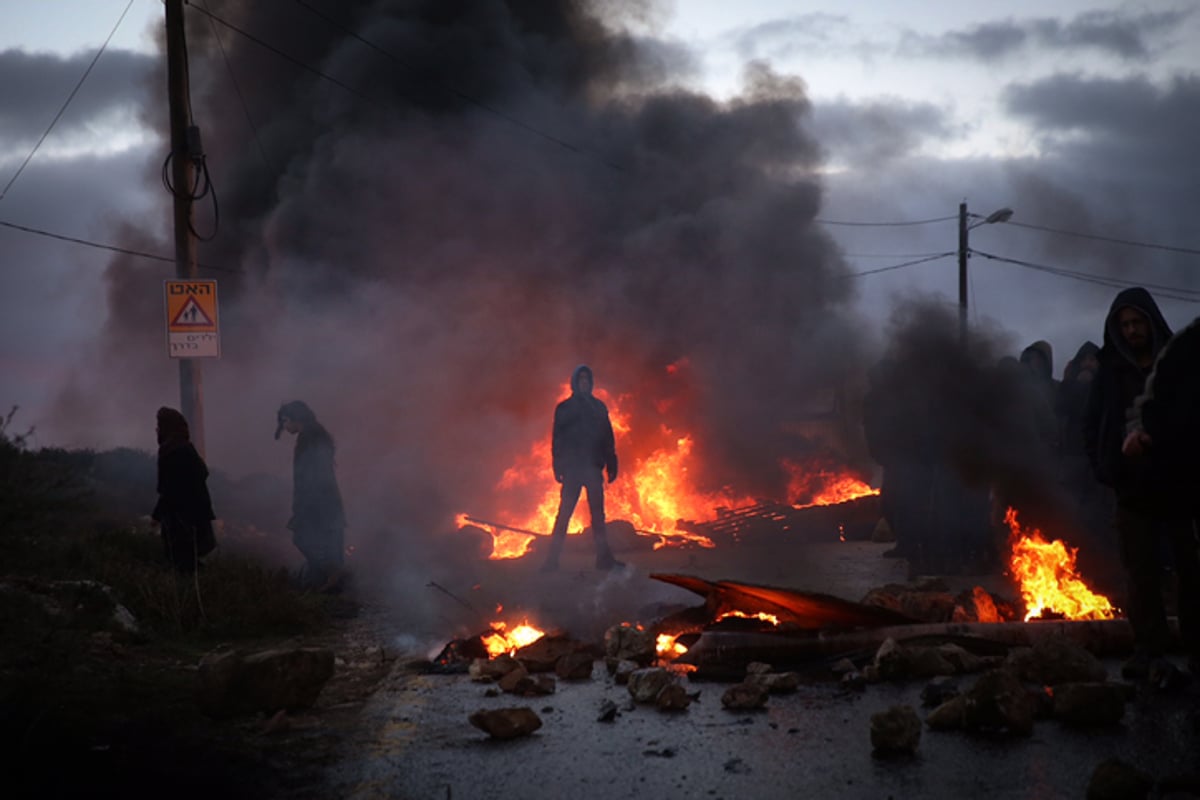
x=1110, y=456
x=583, y=452
x=184, y=510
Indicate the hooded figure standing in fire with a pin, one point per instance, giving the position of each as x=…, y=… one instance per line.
x=583, y=449
x=1134, y=335
x=318, y=522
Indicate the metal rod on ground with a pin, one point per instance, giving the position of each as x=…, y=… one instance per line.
x=449, y=593
x=527, y=532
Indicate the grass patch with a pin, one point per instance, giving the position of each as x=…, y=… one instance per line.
x=79, y=515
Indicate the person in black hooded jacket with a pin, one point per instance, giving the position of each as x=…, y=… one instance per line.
x=1164, y=434
x=1134, y=334
x=184, y=510
x=318, y=520
x=583, y=448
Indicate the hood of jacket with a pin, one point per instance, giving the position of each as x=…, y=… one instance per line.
x=1045, y=367
x=581, y=370
x=1139, y=299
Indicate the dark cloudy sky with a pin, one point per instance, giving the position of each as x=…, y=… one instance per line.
x=1080, y=116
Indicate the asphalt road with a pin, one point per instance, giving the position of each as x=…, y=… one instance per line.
x=415, y=741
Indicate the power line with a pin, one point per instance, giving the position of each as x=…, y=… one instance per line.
x=110, y=247
x=70, y=97
x=934, y=257
x=237, y=90
x=1173, y=292
x=458, y=92
x=885, y=224
x=1130, y=242
x=279, y=52
x=890, y=255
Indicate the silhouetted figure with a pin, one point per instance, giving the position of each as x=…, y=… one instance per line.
x=184, y=510
x=882, y=430
x=318, y=520
x=1038, y=360
x=1091, y=501
x=1134, y=334
x=583, y=449
x=1164, y=436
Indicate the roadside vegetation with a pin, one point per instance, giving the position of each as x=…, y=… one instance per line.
x=79, y=686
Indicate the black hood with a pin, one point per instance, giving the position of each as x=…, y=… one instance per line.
x=581, y=369
x=1137, y=298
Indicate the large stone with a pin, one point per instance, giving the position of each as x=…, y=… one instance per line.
x=645, y=684
x=1089, y=705
x=744, y=697
x=623, y=670
x=1056, y=660
x=234, y=683
x=1114, y=779
x=506, y=723
x=542, y=655
x=483, y=670
x=575, y=667
x=999, y=702
x=895, y=731
x=630, y=643
x=511, y=679
x=673, y=697
x=776, y=682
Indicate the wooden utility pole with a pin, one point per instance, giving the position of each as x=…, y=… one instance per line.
x=962, y=272
x=182, y=178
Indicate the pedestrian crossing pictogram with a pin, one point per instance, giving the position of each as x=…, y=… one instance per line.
x=191, y=316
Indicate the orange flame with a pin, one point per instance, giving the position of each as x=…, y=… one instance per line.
x=666, y=646
x=501, y=640
x=654, y=491
x=771, y=618
x=1046, y=574
x=812, y=485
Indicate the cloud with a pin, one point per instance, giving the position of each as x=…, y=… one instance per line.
x=870, y=134
x=37, y=85
x=788, y=37
x=1122, y=34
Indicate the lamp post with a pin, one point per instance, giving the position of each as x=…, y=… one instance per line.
x=999, y=215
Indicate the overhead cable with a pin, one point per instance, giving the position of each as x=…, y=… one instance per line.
x=934, y=257
x=70, y=97
x=1173, y=292
x=110, y=247
x=885, y=224
x=1113, y=240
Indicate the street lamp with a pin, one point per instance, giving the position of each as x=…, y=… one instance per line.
x=999, y=215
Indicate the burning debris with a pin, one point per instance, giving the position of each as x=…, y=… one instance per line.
x=1049, y=582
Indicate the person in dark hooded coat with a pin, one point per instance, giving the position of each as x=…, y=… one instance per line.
x=1164, y=434
x=1134, y=334
x=583, y=448
x=184, y=510
x=318, y=520
x=1038, y=360
x=1092, y=500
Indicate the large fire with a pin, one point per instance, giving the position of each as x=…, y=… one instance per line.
x=1045, y=572
x=654, y=492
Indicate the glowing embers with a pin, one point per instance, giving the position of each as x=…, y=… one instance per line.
x=1046, y=575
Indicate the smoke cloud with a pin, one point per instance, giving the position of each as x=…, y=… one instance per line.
x=490, y=194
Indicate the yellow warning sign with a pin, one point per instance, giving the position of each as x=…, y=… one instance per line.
x=192, y=319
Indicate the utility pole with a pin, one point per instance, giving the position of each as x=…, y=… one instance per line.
x=962, y=272
x=182, y=177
